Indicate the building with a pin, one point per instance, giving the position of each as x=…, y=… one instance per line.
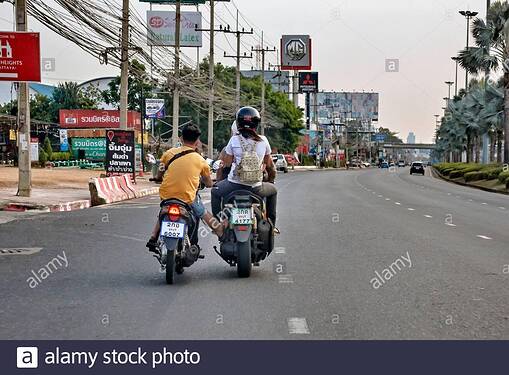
x=411, y=138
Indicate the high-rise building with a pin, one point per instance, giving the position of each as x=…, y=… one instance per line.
x=411, y=138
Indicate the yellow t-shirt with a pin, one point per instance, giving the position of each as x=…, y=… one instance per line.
x=182, y=179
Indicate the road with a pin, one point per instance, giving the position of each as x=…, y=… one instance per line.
x=339, y=231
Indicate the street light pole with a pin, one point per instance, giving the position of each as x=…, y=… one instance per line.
x=449, y=83
x=456, y=60
x=468, y=15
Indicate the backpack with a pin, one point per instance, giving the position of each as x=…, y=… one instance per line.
x=249, y=171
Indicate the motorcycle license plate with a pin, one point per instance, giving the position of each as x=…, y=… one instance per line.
x=242, y=216
x=172, y=230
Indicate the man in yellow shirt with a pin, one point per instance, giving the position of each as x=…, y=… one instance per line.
x=181, y=170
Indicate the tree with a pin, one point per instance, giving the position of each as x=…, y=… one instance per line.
x=491, y=52
x=139, y=82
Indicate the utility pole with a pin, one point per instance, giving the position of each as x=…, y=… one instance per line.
x=212, y=30
x=295, y=87
x=24, y=161
x=263, y=50
x=124, y=65
x=238, y=57
x=176, y=75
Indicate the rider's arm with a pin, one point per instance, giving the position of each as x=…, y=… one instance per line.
x=205, y=176
x=227, y=161
x=270, y=168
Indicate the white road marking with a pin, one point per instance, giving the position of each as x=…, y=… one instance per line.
x=387, y=199
x=399, y=204
x=484, y=204
x=380, y=196
x=285, y=279
x=502, y=208
x=484, y=237
x=411, y=209
x=298, y=326
x=428, y=216
x=450, y=224
x=470, y=200
x=449, y=194
x=280, y=250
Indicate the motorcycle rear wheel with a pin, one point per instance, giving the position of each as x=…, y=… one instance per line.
x=244, y=259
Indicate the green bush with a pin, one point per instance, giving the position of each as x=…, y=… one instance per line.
x=475, y=176
x=43, y=157
x=47, y=148
x=503, y=177
x=307, y=161
x=492, y=174
x=61, y=156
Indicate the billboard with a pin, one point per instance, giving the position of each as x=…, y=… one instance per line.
x=161, y=28
x=279, y=80
x=296, y=52
x=120, y=152
x=93, y=148
x=308, y=82
x=20, y=57
x=95, y=118
x=154, y=108
x=347, y=105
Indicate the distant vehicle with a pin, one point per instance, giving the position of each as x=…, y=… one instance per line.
x=417, y=167
x=401, y=164
x=384, y=165
x=392, y=164
x=280, y=162
x=366, y=164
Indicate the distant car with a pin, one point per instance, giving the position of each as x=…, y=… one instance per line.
x=417, y=167
x=366, y=164
x=384, y=165
x=401, y=164
x=392, y=164
x=280, y=162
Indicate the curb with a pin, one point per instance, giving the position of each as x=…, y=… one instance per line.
x=437, y=174
x=59, y=207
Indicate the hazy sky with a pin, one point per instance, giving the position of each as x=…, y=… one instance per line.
x=351, y=41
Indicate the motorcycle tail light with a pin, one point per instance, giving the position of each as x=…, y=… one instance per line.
x=242, y=228
x=174, y=213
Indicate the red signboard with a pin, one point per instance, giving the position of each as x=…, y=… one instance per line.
x=91, y=118
x=20, y=57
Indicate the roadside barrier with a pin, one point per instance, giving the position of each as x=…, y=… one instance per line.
x=115, y=189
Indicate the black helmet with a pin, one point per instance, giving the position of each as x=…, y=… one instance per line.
x=248, y=118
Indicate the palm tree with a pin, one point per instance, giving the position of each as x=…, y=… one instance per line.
x=490, y=53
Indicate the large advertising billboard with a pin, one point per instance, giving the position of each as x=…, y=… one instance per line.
x=280, y=80
x=120, y=152
x=161, y=28
x=20, y=57
x=296, y=52
x=92, y=118
x=347, y=105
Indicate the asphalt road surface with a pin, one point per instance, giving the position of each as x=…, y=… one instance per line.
x=369, y=254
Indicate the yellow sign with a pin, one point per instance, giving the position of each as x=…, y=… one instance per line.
x=12, y=135
x=145, y=138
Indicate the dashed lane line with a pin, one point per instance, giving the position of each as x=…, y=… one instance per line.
x=298, y=326
x=484, y=237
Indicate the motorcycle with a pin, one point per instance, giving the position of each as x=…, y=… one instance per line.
x=178, y=241
x=249, y=237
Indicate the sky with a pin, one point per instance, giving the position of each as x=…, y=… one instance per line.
x=352, y=41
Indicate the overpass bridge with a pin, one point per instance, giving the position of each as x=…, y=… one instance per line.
x=406, y=146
